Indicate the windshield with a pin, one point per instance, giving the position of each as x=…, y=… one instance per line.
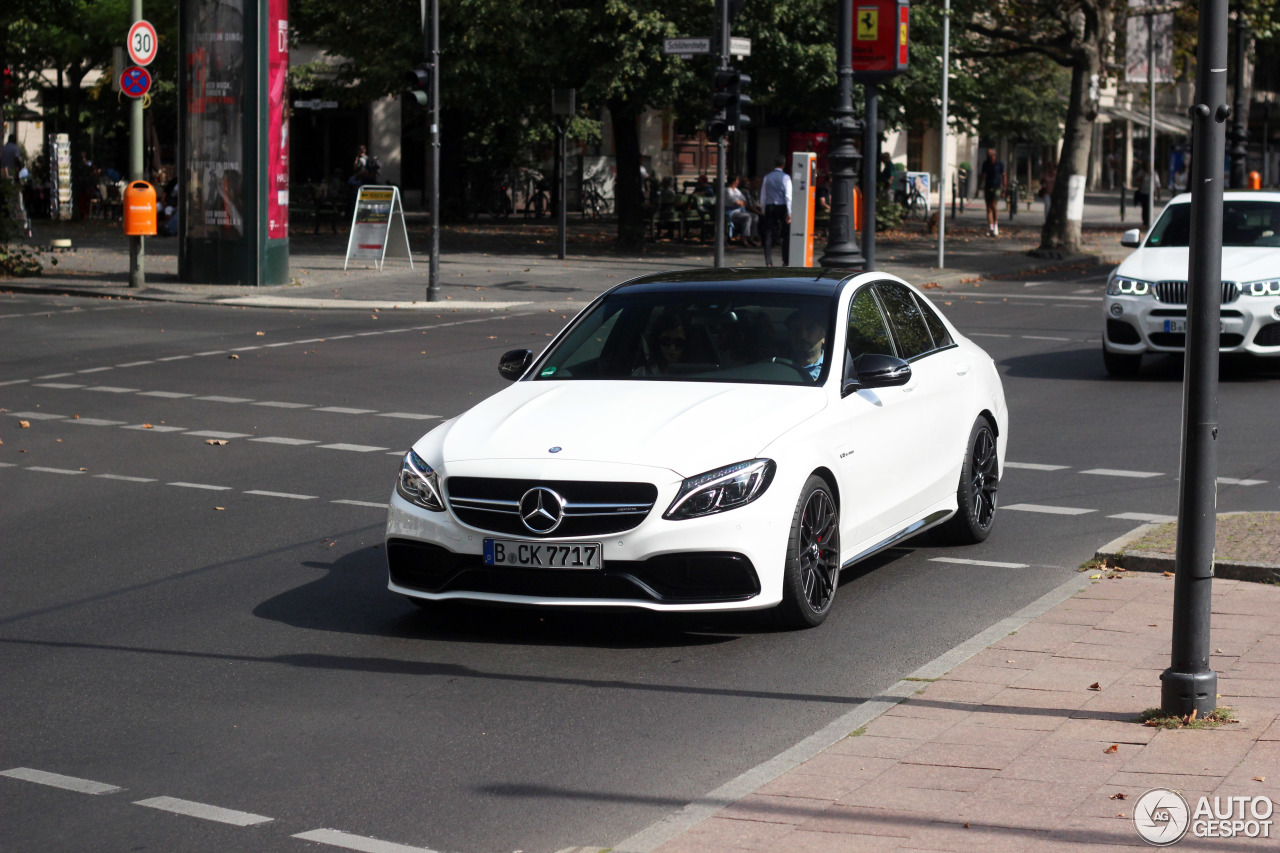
x=690, y=336
x=1245, y=222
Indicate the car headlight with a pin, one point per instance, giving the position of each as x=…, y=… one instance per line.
x=724, y=488
x=419, y=484
x=1269, y=287
x=1123, y=286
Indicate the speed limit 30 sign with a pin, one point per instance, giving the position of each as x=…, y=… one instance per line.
x=142, y=42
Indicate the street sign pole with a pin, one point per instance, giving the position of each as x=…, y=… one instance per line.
x=1189, y=685
x=137, y=249
x=943, y=177
x=433, y=54
x=722, y=8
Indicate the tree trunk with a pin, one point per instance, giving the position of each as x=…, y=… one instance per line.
x=1060, y=233
x=628, y=195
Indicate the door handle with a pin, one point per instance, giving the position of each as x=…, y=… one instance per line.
x=962, y=369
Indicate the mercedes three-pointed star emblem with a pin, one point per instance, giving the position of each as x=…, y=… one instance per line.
x=541, y=510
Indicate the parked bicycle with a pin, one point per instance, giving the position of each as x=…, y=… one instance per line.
x=917, y=201
x=594, y=202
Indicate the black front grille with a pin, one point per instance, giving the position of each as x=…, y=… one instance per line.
x=1268, y=336
x=673, y=578
x=1175, y=292
x=591, y=508
x=1226, y=340
x=1120, y=332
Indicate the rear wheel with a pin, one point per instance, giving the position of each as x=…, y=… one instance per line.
x=813, y=558
x=979, y=482
x=1121, y=363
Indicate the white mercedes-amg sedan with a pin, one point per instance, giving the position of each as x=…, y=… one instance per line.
x=1145, y=310
x=707, y=440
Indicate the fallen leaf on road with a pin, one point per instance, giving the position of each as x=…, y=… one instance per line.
x=932, y=285
x=1119, y=796
x=1094, y=577
x=215, y=441
x=1259, y=778
x=147, y=426
x=966, y=824
x=1095, y=686
x=75, y=417
x=1191, y=718
x=219, y=507
x=233, y=355
x=1168, y=574
x=84, y=469
x=1152, y=722
x=24, y=424
x=1113, y=749
x=1152, y=625
x=259, y=334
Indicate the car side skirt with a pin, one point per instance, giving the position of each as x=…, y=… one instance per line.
x=931, y=520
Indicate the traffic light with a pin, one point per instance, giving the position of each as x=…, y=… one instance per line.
x=716, y=125
x=727, y=95
x=418, y=82
x=6, y=88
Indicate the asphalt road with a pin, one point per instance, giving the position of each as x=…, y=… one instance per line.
x=206, y=626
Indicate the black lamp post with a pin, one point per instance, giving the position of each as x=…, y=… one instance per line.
x=842, y=248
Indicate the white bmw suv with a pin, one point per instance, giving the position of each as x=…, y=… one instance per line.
x=1145, y=310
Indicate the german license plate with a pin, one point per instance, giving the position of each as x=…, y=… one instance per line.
x=1175, y=325
x=542, y=555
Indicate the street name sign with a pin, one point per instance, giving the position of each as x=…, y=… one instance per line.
x=142, y=42
x=686, y=46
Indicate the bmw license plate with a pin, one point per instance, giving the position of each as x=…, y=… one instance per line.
x=1175, y=325
x=542, y=555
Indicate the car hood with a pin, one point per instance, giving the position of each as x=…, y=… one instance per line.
x=1239, y=263
x=687, y=427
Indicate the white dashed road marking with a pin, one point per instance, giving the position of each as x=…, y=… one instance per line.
x=362, y=503
x=202, y=810
x=134, y=363
x=113, y=389
x=213, y=433
x=275, y=439
x=14, y=382
x=95, y=370
x=355, y=448
x=168, y=395
x=52, y=470
x=1042, y=338
x=281, y=495
x=156, y=428
x=340, y=410
x=201, y=486
x=348, y=841
x=37, y=416
x=992, y=563
x=1051, y=510
x=1035, y=466
x=1114, y=472
x=63, y=385
x=1148, y=517
x=278, y=405
x=96, y=422
x=408, y=416
x=1232, y=481
x=226, y=399
x=125, y=478
x=56, y=780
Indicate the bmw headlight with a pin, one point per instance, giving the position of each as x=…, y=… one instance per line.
x=1268, y=287
x=419, y=484
x=724, y=488
x=1123, y=286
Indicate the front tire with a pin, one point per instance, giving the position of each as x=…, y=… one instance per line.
x=979, y=482
x=813, y=558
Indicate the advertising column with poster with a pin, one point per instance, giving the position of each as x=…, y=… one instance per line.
x=233, y=145
x=377, y=227
x=804, y=177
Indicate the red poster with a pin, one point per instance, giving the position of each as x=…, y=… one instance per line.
x=277, y=119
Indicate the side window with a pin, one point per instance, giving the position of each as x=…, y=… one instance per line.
x=941, y=337
x=909, y=329
x=867, y=331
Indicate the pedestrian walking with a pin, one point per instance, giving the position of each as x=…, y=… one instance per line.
x=1140, y=197
x=775, y=195
x=991, y=183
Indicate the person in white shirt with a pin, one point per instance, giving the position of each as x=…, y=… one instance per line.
x=775, y=195
x=745, y=223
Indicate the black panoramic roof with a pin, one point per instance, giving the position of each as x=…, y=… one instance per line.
x=805, y=280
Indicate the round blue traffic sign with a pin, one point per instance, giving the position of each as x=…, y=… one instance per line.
x=135, y=82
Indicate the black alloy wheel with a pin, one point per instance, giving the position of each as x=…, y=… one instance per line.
x=979, y=483
x=813, y=558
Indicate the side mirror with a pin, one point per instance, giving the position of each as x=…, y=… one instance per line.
x=874, y=370
x=514, y=363
x=1131, y=238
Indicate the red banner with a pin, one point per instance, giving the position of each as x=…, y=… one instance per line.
x=277, y=119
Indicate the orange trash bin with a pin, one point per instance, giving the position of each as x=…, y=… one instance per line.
x=139, y=209
x=1255, y=180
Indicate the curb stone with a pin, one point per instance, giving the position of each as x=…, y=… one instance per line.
x=1158, y=561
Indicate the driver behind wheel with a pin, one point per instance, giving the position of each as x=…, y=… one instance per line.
x=808, y=332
